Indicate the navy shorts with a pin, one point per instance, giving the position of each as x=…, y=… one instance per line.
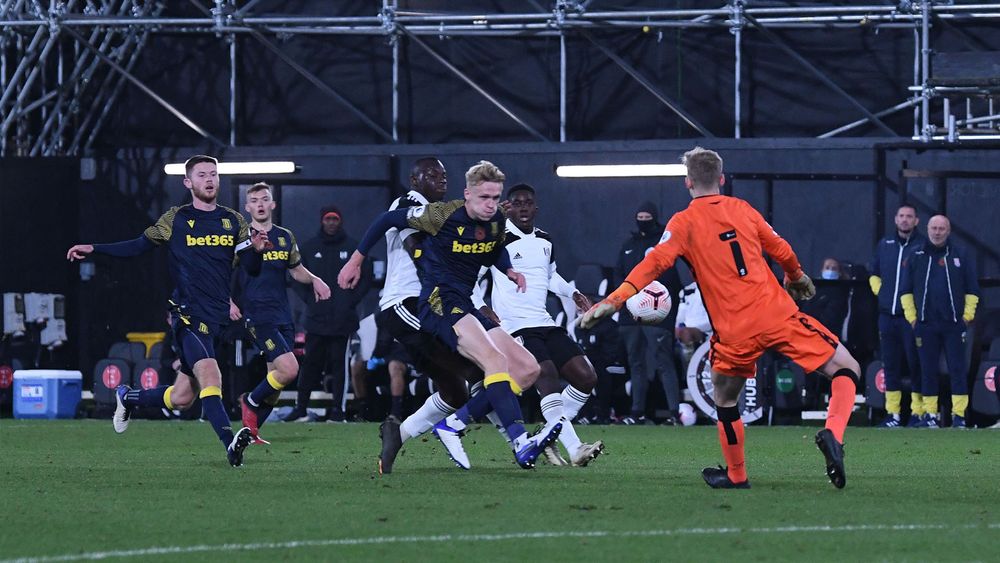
x=272, y=340
x=440, y=312
x=549, y=343
x=194, y=340
x=422, y=349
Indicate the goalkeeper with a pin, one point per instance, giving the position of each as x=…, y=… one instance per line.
x=722, y=238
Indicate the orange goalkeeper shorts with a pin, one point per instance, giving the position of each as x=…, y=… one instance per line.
x=801, y=338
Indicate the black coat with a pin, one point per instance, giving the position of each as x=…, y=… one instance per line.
x=324, y=256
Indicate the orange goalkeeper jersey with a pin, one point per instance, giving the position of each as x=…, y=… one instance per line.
x=722, y=238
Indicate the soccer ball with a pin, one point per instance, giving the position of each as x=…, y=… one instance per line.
x=651, y=305
x=687, y=414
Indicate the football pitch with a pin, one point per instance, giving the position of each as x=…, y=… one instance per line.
x=74, y=490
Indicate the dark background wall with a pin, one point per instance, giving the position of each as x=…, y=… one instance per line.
x=46, y=207
x=39, y=221
x=694, y=66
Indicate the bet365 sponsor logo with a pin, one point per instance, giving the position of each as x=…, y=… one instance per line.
x=474, y=248
x=276, y=255
x=210, y=240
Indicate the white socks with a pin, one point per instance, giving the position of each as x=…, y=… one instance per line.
x=573, y=400
x=553, y=411
x=433, y=410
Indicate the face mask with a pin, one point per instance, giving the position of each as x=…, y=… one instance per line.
x=830, y=275
x=645, y=226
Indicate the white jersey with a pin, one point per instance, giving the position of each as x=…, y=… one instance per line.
x=531, y=255
x=401, y=279
x=691, y=310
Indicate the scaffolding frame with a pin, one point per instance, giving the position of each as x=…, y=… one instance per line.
x=64, y=65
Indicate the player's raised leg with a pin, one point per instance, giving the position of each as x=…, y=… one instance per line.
x=843, y=370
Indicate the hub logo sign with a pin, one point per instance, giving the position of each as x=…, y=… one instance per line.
x=699, y=378
x=32, y=393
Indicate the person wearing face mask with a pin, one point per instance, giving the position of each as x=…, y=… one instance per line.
x=649, y=347
x=940, y=294
x=831, y=269
x=829, y=306
x=898, y=347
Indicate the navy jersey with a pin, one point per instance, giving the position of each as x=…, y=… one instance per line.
x=458, y=246
x=263, y=298
x=202, y=248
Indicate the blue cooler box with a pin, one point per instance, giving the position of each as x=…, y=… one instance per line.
x=44, y=393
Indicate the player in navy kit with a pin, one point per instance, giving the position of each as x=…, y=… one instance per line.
x=203, y=239
x=525, y=317
x=399, y=317
x=464, y=235
x=263, y=303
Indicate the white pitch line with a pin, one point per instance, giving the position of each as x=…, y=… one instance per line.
x=381, y=540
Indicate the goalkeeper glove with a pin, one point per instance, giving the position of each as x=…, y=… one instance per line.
x=608, y=306
x=800, y=288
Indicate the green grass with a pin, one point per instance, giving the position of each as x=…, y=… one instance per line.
x=75, y=487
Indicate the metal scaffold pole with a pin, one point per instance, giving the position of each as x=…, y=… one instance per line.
x=63, y=67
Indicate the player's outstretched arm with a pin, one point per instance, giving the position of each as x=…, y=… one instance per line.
x=608, y=306
x=321, y=291
x=349, y=275
x=123, y=249
x=79, y=252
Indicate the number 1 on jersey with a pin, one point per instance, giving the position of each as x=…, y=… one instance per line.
x=734, y=245
x=741, y=265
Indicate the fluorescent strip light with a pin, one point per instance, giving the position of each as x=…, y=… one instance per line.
x=962, y=138
x=620, y=170
x=230, y=168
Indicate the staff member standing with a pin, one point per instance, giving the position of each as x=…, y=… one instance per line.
x=898, y=347
x=940, y=295
x=650, y=348
x=329, y=323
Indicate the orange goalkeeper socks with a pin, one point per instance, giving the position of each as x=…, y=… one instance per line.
x=842, y=389
x=731, y=439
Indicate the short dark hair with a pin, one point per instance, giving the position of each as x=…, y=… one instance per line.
x=198, y=159
x=520, y=188
x=425, y=162
x=910, y=205
x=259, y=187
